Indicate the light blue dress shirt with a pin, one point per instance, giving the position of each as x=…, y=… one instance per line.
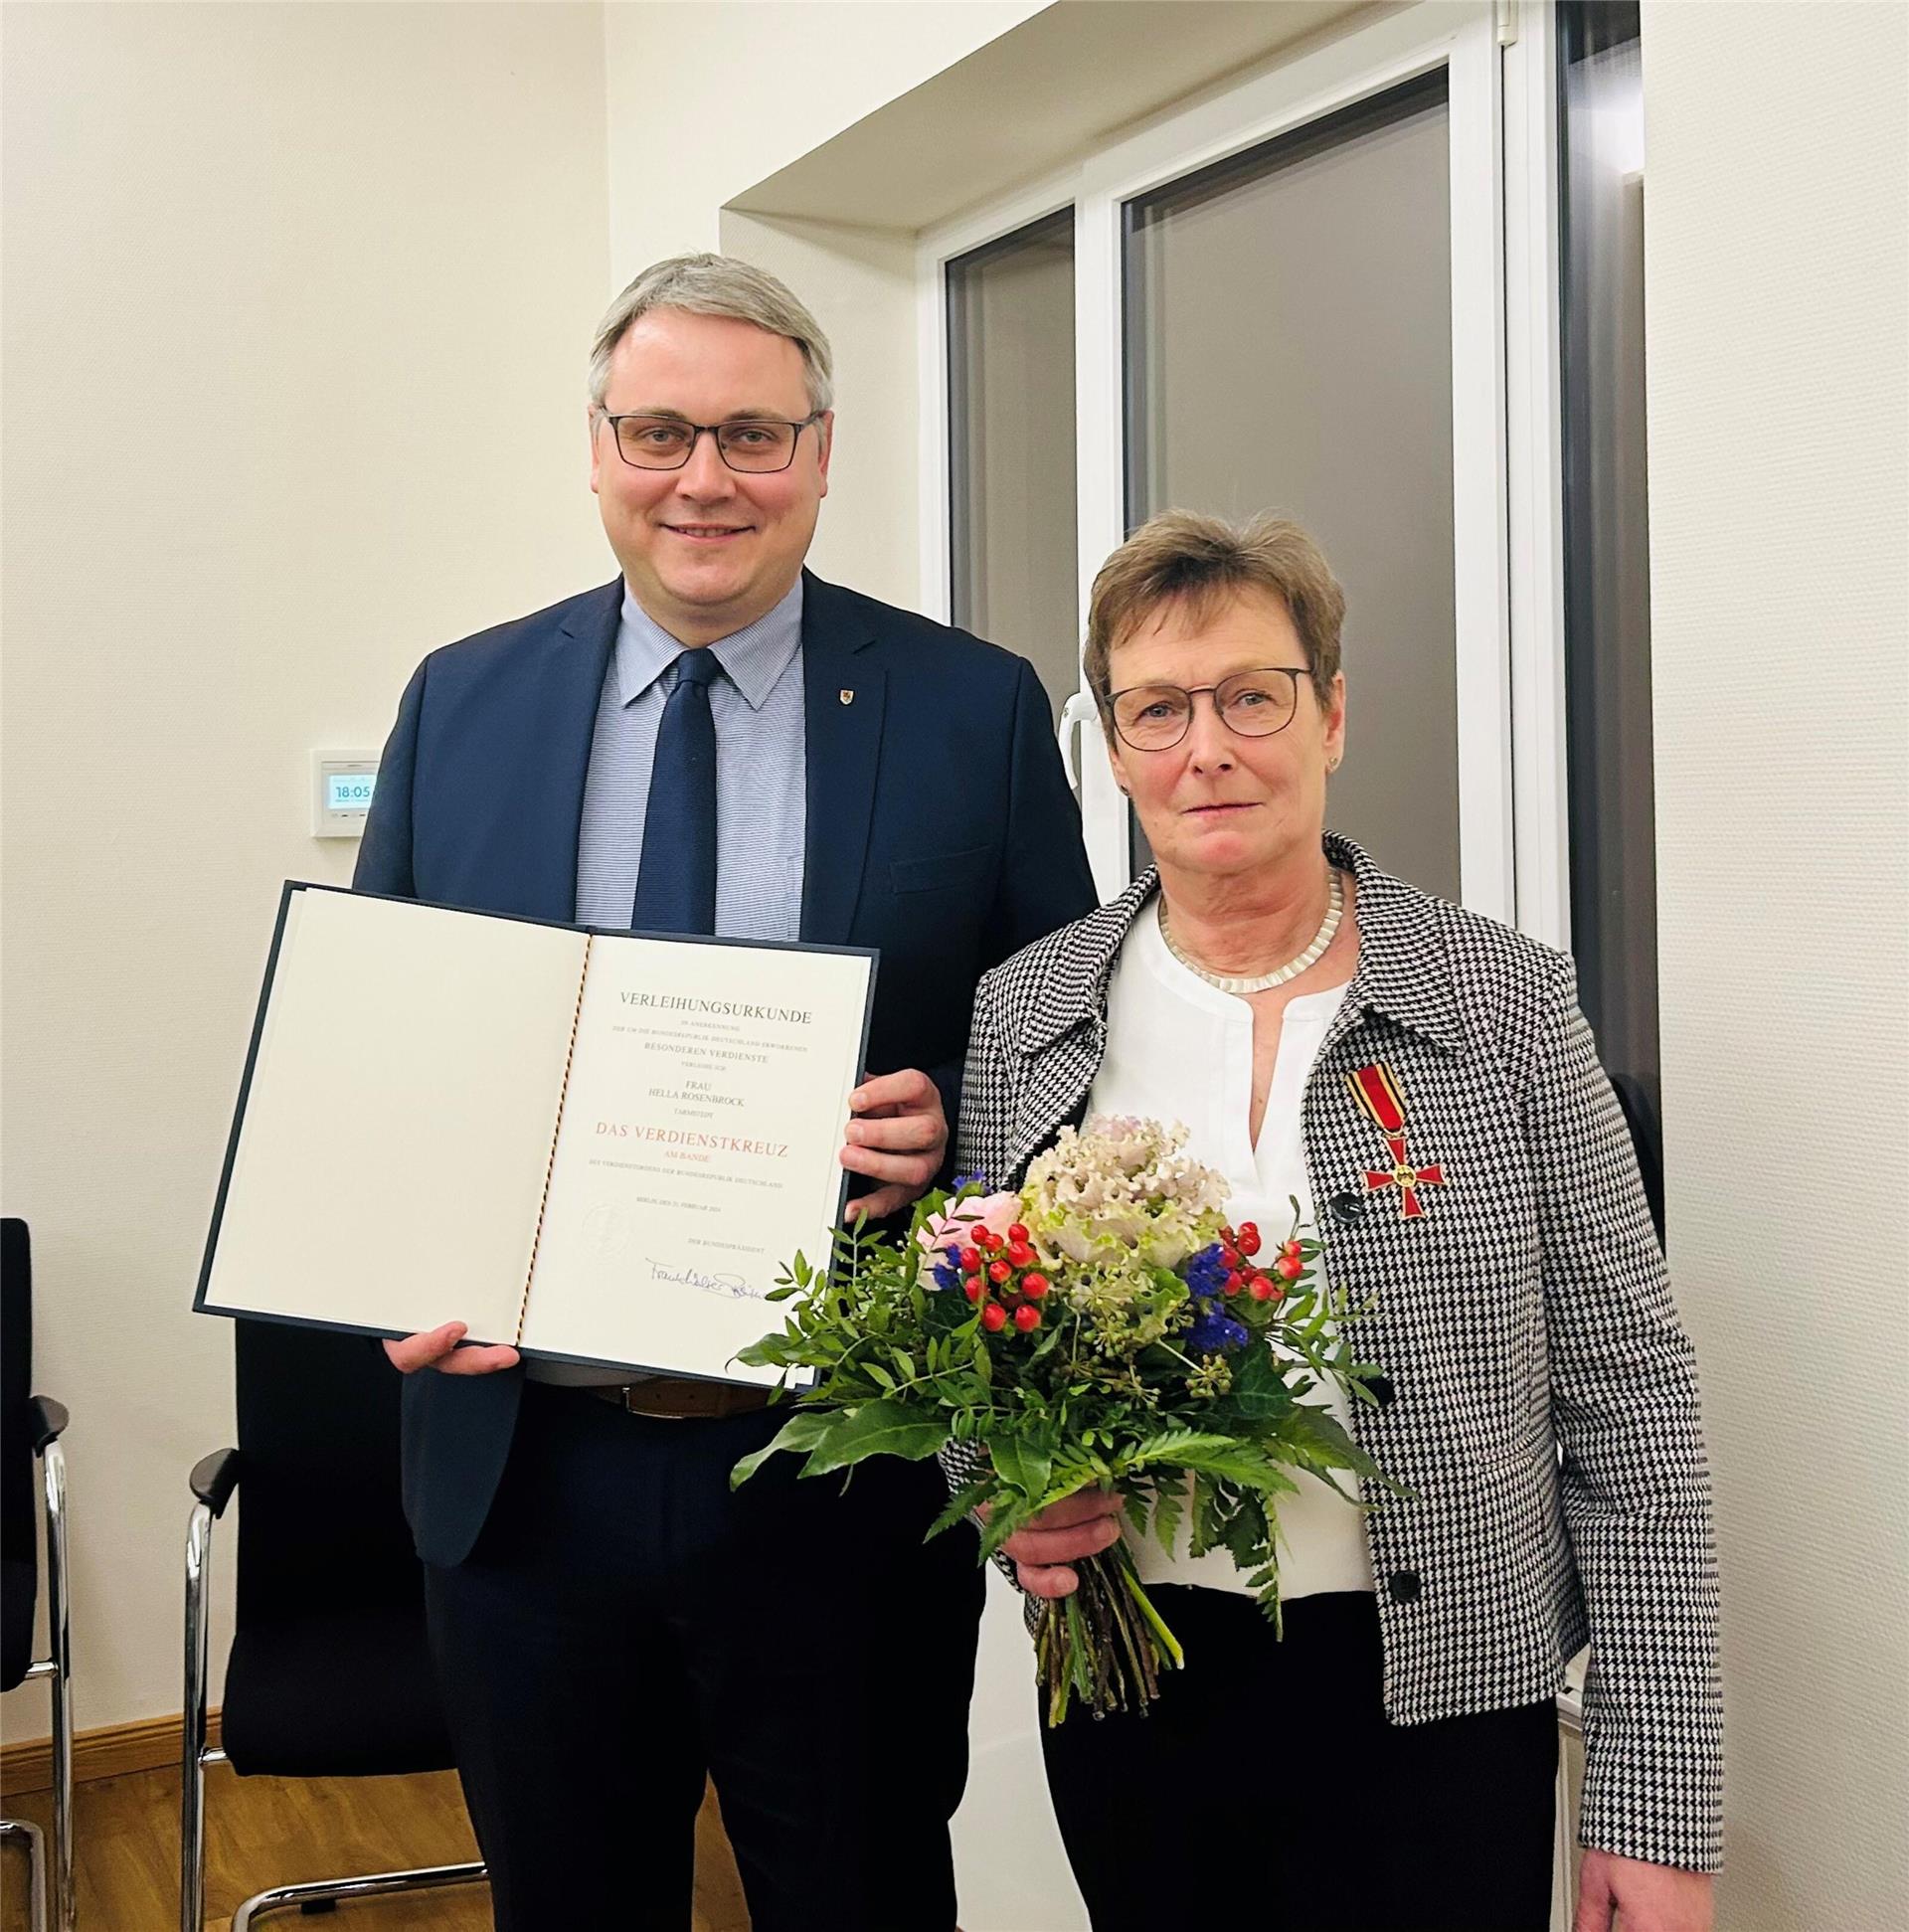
x=762, y=772
x=761, y=798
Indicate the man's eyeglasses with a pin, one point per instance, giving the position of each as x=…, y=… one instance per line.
x=1253, y=704
x=758, y=445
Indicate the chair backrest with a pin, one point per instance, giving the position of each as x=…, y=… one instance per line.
x=19, y=1528
x=320, y=1525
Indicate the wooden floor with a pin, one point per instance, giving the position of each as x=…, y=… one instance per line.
x=263, y=1832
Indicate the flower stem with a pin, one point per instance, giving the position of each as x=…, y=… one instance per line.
x=1106, y=1642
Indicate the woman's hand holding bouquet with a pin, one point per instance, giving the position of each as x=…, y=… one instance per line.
x=1102, y=1329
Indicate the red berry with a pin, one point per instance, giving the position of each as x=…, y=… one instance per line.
x=1018, y=1233
x=1235, y=1282
x=1229, y=1254
x=1020, y=1254
x=971, y=1260
x=1290, y=1248
x=1249, y=1239
x=986, y=1238
x=1027, y=1318
x=1261, y=1289
x=998, y=1272
x=994, y=1317
x=972, y=1289
x=1034, y=1284
x=1291, y=1267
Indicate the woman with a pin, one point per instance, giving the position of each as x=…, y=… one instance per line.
x=1420, y=1080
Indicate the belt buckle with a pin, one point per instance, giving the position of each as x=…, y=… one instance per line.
x=712, y=1407
x=630, y=1398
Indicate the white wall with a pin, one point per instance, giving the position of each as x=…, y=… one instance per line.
x=296, y=305
x=1776, y=269
x=731, y=93
x=705, y=100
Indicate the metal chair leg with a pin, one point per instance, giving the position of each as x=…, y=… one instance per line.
x=375, y=1885
x=59, y=1655
x=193, y=1754
x=36, y=1868
x=195, y=1757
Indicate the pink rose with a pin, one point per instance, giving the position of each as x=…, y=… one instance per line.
x=955, y=1229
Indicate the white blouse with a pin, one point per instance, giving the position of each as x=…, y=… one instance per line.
x=1179, y=1049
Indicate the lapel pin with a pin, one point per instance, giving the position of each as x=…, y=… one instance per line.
x=1376, y=1090
x=847, y=697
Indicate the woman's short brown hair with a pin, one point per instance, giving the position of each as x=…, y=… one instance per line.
x=1204, y=562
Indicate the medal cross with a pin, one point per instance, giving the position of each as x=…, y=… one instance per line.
x=1376, y=1091
x=1407, y=1178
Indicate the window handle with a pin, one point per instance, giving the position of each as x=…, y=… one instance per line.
x=1075, y=713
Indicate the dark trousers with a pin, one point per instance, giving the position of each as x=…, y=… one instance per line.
x=627, y=1624
x=1265, y=1790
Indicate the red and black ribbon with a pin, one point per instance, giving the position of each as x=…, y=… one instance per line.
x=1376, y=1091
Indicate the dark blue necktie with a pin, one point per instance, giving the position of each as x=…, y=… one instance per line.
x=676, y=883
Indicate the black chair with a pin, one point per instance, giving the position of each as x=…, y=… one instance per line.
x=30, y=1429
x=328, y=1674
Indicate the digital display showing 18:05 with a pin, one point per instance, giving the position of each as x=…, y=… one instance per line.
x=349, y=791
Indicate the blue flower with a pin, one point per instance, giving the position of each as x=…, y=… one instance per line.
x=1206, y=1274
x=971, y=1180
x=947, y=1272
x=1215, y=1332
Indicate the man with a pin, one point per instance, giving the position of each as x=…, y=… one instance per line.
x=718, y=742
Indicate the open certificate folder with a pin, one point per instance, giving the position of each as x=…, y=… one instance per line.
x=598, y=1147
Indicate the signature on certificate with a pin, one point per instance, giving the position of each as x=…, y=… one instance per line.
x=690, y=1277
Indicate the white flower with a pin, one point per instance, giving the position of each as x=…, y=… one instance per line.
x=1122, y=1186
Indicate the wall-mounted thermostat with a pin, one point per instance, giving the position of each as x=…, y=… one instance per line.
x=341, y=789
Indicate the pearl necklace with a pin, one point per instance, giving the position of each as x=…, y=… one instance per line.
x=1260, y=982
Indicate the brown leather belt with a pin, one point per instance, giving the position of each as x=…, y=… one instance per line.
x=680, y=1399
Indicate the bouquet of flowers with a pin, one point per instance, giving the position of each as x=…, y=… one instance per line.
x=1102, y=1325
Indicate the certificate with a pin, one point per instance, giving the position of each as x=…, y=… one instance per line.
x=600, y=1148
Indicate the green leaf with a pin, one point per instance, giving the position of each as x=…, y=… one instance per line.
x=799, y=1431
x=1020, y=1464
x=1068, y=1478
x=1243, y=1463
x=772, y=1351
x=1315, y=1438
x=1244, y=1535
x=1139, y=1510
x=1006, y=1517
x=877, y=1429
x=1172, y=1446
x=958, y=1507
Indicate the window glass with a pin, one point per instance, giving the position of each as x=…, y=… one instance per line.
x=1607, y=579
x=1289, y=348
x=1013, y=557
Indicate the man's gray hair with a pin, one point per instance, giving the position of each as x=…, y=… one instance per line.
x=716, y=284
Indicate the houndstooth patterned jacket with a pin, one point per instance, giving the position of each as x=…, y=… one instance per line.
x=1542, y=1401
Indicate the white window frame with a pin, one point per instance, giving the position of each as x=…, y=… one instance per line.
x=1506, y=474
x=1534, y=467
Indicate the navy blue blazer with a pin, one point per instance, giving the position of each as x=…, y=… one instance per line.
x=940, y=830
